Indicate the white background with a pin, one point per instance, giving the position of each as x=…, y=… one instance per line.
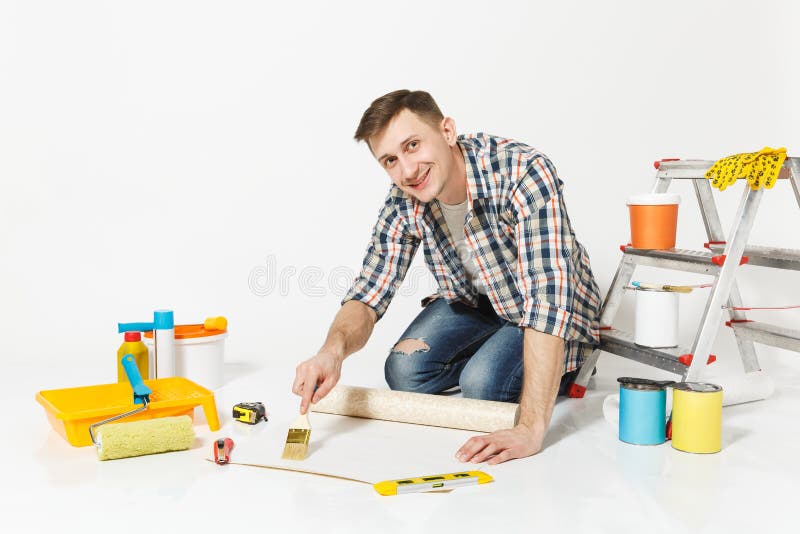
x=154, y=154
x=159, y=154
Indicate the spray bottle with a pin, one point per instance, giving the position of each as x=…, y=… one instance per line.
x=162, y=361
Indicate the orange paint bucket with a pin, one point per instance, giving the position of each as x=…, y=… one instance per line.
x=654, y=220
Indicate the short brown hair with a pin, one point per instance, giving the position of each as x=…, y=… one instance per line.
x=383, y=109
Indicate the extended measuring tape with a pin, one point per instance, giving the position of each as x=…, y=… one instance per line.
x=433, y=482
x=250, y=412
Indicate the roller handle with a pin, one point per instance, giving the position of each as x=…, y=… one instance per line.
x=162, y=320
x=141, y=393
x=135, y=327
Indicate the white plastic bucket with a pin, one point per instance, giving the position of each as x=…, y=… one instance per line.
x=199, y=358
x=656, y=318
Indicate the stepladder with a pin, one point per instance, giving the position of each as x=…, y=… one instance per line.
x=721, y=258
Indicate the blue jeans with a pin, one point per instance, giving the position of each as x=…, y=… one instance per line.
x=449, y=345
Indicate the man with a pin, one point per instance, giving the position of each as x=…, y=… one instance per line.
x=517, y=307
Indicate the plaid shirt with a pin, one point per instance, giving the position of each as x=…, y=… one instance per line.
x=535, y=272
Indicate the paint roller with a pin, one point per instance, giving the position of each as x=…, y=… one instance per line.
x=137, y=438
x=736, y=389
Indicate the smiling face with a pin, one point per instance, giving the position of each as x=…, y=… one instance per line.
x=422, y=160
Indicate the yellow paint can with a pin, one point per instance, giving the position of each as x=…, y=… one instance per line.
x=697, y=417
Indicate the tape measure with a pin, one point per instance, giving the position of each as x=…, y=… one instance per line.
x=250, y=412
x=432, y=482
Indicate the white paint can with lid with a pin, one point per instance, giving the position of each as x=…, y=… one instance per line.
x=199, y=353
x=656, y=318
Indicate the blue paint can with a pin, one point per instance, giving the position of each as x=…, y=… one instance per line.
x=642, y=410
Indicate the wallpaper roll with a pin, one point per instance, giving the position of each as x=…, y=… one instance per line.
x=419, y=408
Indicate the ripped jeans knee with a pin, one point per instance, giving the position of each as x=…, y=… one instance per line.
x=403, y=369
x=409, y=346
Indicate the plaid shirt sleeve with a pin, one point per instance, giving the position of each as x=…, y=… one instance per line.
x=386, y=261
x=544, y=244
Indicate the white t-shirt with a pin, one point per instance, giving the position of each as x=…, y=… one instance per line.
x=455, y=216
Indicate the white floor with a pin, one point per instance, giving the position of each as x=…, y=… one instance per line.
x=585, y=480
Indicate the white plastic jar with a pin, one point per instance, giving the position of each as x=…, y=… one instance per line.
x=199, y=354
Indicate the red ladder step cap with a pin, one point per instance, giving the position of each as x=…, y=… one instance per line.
x=720, y=260
x=576, y=391
x=686, y=359
x=657, y=164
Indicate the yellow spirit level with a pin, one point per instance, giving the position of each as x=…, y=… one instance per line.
x=432, y=482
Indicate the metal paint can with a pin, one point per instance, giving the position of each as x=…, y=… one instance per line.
x=697, y=417
x=642, y=410
x=656, y=318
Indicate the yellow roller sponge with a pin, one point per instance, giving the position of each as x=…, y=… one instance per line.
x=137, y=438
x=216, y=323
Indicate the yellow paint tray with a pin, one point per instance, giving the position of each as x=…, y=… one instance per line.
x=71, y=410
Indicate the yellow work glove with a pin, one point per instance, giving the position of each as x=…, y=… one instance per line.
x=766, y=168
x=760, y=168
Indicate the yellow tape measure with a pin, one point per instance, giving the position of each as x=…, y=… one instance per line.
x=432, y=482
x=250, y=412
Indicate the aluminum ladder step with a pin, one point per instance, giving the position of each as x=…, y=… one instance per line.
x=768, y=334
x=778, y=258
x=675, y=359
x=695, y=169
x=693, y=261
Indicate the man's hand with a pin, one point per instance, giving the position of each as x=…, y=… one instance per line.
x=315, y=377
x=349, y=332
x=497, y=447
x=543, y=363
